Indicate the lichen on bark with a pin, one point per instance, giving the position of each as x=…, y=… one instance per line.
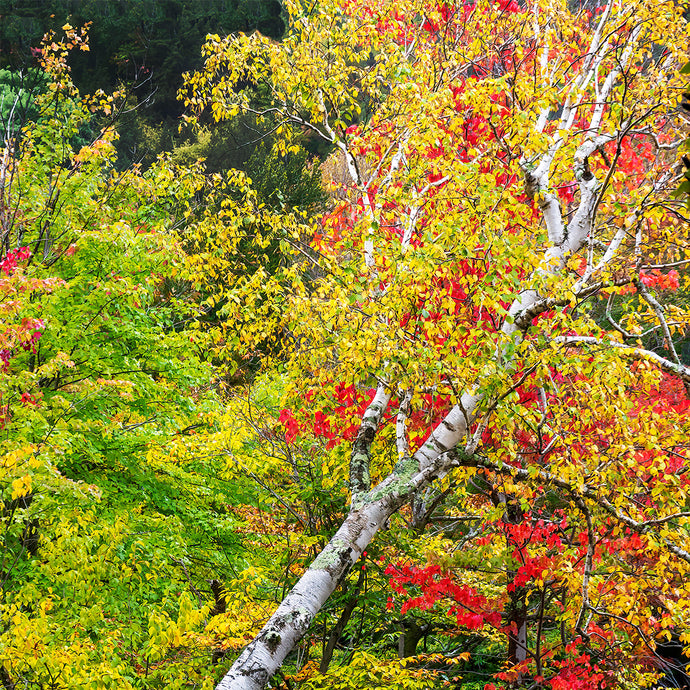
x=333, y=556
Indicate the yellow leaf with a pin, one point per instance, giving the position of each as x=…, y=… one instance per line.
x=21, y=486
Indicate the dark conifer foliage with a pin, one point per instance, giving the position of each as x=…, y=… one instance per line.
x=145, y=45
x=132, y=40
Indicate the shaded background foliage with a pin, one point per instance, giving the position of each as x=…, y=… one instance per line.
x=143, y=45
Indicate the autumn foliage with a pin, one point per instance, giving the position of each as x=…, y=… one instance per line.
x=500, y=287
x=465, y=422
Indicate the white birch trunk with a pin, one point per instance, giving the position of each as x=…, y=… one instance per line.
x=370, y=510
x=266, y=653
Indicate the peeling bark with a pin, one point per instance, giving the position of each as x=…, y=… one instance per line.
x=359, y=459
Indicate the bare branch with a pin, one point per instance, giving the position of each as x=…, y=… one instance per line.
x=635, y=352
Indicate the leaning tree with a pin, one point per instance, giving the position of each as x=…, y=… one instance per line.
x=503, y=240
